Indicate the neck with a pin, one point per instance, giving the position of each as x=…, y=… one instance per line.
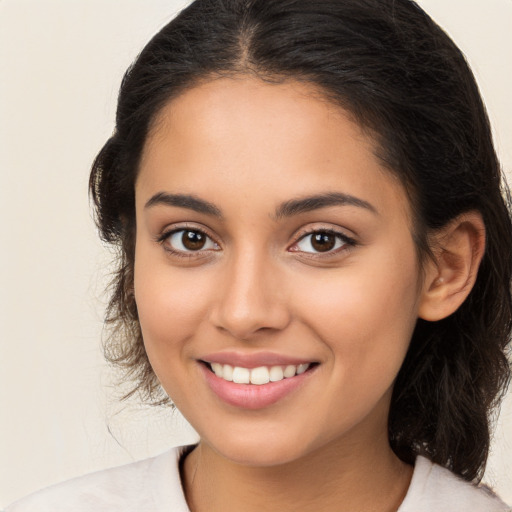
x=341, y=476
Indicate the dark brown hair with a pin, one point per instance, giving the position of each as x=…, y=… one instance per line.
x=403, y=79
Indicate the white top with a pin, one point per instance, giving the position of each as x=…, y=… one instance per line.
x=154, y=485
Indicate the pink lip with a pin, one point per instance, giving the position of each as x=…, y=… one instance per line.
x=250, y=396
x=253, y=360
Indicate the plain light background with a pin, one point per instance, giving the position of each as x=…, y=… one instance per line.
x=61, y=62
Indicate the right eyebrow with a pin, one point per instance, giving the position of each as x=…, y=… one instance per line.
x=188, y=201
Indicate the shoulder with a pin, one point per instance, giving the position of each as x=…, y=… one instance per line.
x=148, y=485
x=435, y=489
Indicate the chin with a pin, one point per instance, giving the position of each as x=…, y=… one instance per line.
x=256, y=455
x=262, y=450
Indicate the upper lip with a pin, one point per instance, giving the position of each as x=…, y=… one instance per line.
x=254, y=360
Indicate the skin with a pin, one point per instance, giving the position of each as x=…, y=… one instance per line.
x=248, y=147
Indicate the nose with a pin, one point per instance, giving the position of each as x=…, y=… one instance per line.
x=251, y=299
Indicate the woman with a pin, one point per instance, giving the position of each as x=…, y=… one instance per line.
x=315, y=262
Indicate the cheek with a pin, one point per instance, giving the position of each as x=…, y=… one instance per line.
x=366, y=313
x=169, y=303
x=365, y=319
x=170, y=307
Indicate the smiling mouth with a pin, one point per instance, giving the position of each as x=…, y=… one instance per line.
x=257, y=376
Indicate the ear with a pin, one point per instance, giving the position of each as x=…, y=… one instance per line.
x=458, y=249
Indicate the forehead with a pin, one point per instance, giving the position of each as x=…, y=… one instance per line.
x=252, y=136
x=261, y=111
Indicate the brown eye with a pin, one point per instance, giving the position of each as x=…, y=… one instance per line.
x=193, y=240
x=323, y=242
x=190, y=240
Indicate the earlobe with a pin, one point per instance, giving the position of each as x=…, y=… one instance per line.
x=450, y=275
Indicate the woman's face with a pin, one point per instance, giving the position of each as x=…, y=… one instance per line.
x=271, y=240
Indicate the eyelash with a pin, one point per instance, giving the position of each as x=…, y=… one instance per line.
x=346, y=241
x=179, y=253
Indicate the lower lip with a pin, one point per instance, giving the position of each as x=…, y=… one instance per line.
x=252, y=396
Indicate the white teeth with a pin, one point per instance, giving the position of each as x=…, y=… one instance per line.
x=260, y=375
x=257, y=376
x=276, y=373
x=227, y=372
x=217, y=368
x=290, y=371
x=302, y=368
x=241, y=375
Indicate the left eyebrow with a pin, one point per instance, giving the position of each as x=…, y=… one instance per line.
x=318, y=201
